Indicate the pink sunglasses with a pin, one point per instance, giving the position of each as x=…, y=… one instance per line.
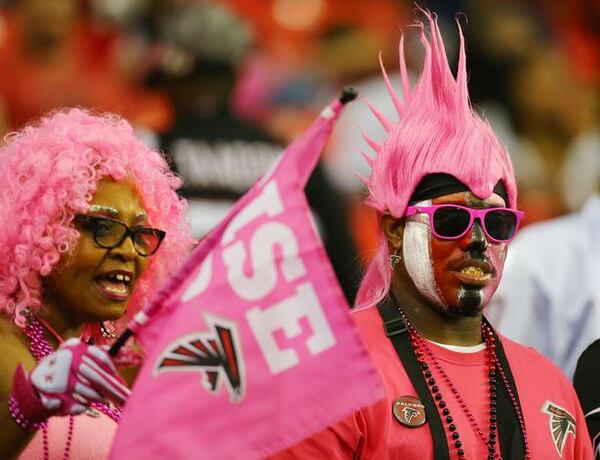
x=452, y=221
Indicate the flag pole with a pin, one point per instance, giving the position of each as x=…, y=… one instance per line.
x=348, y=94
x=121, y=340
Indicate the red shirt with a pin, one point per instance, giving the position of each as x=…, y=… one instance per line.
x=374, y=433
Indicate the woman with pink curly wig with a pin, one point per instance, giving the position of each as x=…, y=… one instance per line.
x=91, y=227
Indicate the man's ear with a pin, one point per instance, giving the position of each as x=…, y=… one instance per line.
x=393, y=229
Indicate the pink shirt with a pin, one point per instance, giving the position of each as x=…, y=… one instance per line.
x=92, y=438
x=374, y=433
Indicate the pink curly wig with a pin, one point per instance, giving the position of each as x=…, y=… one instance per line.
x=49, y=172
x=437, y=132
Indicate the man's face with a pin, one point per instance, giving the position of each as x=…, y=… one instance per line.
x=91, y=283
x=457, y=277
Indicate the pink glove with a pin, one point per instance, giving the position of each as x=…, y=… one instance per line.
x=65, y=382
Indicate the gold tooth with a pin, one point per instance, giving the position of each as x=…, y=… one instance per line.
x=473, y=271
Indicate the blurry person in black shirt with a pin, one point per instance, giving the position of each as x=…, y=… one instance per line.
x=587, y=385
x=219, y=155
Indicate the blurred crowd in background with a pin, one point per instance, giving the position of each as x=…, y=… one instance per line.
x=220, y=86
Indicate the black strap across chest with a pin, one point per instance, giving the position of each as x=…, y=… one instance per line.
x=510, y=435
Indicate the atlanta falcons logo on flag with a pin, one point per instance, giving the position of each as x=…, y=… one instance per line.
x=216, y=354
x=561, y=424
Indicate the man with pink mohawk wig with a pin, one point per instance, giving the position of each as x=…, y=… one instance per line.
x=91, y=227
x=445, y=194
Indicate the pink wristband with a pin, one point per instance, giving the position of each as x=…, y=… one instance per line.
x=24, y=405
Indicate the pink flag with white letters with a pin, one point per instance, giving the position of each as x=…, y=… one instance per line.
x=251, y=347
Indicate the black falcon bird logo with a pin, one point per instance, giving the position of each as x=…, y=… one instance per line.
x=409, y=413
x=216, y=354
x=561, y=424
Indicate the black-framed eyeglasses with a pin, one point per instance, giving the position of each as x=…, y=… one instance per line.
x=111, y=233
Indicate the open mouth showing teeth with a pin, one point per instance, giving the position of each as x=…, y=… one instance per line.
x=115, y=286
x=475, y=276
x=475, y=272
x=119, y=277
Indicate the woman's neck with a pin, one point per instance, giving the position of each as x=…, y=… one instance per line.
x=436, y=325
x=56, y=324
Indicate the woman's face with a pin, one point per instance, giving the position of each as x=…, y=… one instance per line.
x=91, y=283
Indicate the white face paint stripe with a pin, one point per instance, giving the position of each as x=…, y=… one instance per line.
x=462, y=292
x=417, y=256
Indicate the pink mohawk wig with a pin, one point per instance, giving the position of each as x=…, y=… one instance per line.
x=49, y=172
x=437, y=132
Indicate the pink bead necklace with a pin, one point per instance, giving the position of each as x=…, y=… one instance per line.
x=39, y=348
x=423, y=353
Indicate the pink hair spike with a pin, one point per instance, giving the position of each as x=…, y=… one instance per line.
x=461, y=74
x=363, y=179
x=387, y=124
x=406, y=91
x=370, y=160
x=390, y=88
x=372, y=143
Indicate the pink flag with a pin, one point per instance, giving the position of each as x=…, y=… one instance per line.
x=251, y=345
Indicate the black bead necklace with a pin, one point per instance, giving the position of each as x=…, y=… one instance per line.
x=423, y=353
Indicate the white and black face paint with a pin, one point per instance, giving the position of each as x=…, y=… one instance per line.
x=416, y=250
x=432, y=265
x=471, y=300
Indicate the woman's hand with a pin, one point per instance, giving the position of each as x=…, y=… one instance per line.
x=65, y=382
